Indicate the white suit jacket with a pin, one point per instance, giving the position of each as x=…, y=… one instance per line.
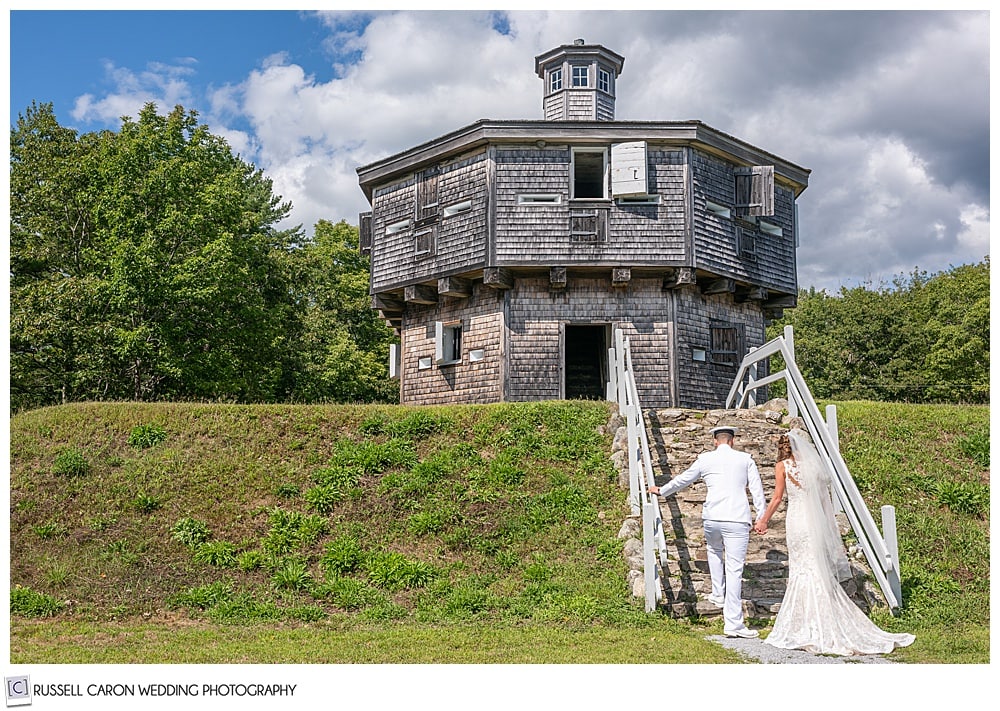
x=728, y=474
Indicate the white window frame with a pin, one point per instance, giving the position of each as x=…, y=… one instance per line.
x=639, y=200
x=457, y=208
x=396, y=227
x=575, y=73
x=555, y=79
x=718, y=210
x=603, y=150
x=603, y=80
x=539, y=199
x=447, y=348
x=769, y=228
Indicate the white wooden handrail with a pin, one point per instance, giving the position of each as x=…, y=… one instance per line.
x=880, y=549
x=622, y=389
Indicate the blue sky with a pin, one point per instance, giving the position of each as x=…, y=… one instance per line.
x=889, y=110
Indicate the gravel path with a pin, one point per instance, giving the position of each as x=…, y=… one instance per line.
x=756, y=650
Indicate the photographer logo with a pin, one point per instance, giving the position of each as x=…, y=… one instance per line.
x=18, y=691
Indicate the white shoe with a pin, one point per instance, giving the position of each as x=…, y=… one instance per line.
x=717, y=601
x=743, y=632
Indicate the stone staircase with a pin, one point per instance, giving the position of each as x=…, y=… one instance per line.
x=676, y=438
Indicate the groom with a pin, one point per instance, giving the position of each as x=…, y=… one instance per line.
x=726, y=517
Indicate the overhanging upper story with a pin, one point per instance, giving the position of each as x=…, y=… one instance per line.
x=677, y=199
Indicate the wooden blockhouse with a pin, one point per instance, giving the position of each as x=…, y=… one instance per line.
x=504, y=252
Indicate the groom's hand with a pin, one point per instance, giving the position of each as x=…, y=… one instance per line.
x=760, y=527
x=654, y=490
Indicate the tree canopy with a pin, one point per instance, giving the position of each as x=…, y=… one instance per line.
x=925, y=338
x=144, y=264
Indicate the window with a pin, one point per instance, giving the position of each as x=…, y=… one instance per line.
x=458, y=208
x=539, y=199
x=754, y=190
x=581, y=76
x=397, y=227
x=639, y=200
x=447, y=342
x=746, y=243
x=426, y=239
x=427, y=196
x=768, y=228
x=588, y=225
x=555, y=80
x=604, y=80
x=588, y=173
x=717, y=209
x=725, y=348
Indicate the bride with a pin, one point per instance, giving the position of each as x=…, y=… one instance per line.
x=816, y=614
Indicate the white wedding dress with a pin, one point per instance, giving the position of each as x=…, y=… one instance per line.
x=816, y=614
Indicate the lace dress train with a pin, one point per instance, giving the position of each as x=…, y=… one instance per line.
x=816, y=614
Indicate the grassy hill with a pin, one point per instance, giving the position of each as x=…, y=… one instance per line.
x=221, y=533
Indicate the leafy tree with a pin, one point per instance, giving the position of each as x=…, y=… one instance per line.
x=144, y=264
x=924, y=339
x=341, y=346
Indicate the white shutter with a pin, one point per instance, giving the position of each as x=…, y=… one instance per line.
x=628, y=169
x=394, y=361
x=438, y=342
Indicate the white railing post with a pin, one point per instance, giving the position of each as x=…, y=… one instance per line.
x=633, y=461
x=793, y=410
x=892, y=545
x=834, y=430
x=650, y=578
x=611, y=391
x=751, y=379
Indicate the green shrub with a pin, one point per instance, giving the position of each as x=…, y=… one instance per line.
x=218, y=553
x=977, y=446
x=290, y=530
x=341, y=556
x=146, y=504
x=323, y=498
x=373, y=457
x=203, y=597
x=287, y=491
x=349, y=594
x=291, y=575
x=393, y=571
x=244, y=608
x=963, y=496
x=70, y=463
x=248, y=561
x=29, y=603
x=425, y=522
x=146, y=436
x=190, y=532
x=50, y=529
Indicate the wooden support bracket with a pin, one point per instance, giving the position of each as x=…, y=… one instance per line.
x=454, y=286
x=498, y=278
x=420, y=294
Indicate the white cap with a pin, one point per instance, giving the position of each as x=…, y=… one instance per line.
x=724, y=428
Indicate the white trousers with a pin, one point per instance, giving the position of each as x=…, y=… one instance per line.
x=727, y=552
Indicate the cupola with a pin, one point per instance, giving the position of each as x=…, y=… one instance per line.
x=579, y=82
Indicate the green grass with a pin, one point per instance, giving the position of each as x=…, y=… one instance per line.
x=396, y=534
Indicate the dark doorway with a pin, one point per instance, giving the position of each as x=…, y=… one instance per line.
x=586, y=362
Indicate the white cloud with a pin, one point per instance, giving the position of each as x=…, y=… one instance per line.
x=889, y=111
x=163, y=84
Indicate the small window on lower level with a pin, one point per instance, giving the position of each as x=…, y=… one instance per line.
x=539, y=199
x=447, y=342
